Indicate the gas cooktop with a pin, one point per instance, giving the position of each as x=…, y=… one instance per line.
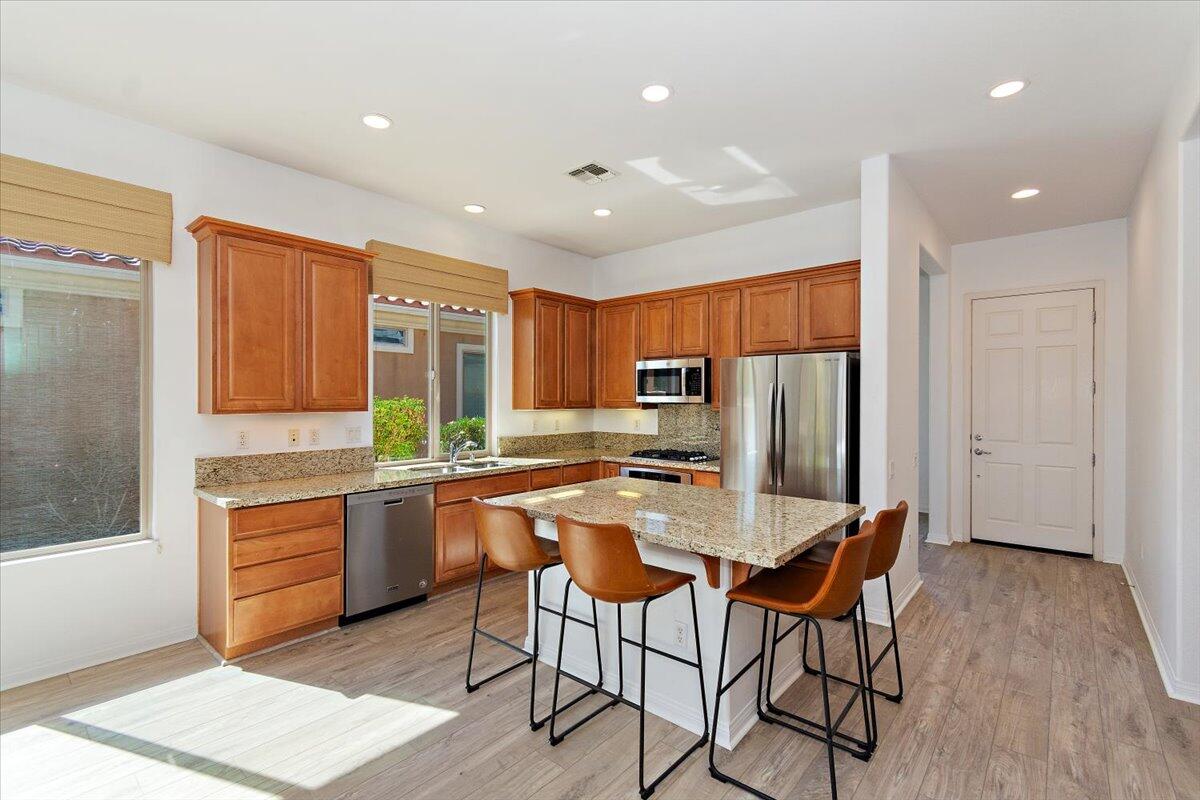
x=673, y=455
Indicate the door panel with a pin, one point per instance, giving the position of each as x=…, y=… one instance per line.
x=812, y=394
x=1031, y=414
x=747, y=406
x=831, y=310
x=335, y=333
x=580, y=347
x=691, y=325
x=548, y=361
x=456, y=547
x=771, y=317
x=258, y=296
x=726, y=337
x=617, y=355
x=657, y=328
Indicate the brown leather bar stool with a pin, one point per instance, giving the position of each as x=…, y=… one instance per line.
x=810, y=596
x=508, y=540
x=603, y=561
x=889, y=533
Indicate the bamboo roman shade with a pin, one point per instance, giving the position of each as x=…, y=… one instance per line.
x=403, y=272
x=59, y=206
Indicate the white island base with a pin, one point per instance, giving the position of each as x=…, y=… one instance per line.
x=672, y=692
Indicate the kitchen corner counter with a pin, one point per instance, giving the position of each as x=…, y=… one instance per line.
x=261, y=493
x=761, y=529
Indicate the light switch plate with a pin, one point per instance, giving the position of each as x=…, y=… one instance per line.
x=314, y=436
x=353, y=434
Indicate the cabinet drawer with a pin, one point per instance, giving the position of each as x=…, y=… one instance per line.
x=511, y=483
x=285, y=516
x=289, y=572
x=261, y=549
x=274, y=612
x=578, y=473
x=545, y=478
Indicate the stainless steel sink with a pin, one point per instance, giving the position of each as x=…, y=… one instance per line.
x=446, y=468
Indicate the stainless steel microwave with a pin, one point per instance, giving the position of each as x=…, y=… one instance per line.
x=677, y=380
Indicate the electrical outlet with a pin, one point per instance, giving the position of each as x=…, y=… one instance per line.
x=293, y=437
x=314, y=436
x=891, y=469
x=535, y=424
x=557, y=424
x=243, y=440
x=353, y=434
x=637, y=423
x=680, y=634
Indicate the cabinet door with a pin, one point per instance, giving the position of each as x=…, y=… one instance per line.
x=657, y=330
x=548, y=353
x=726, y=338
x=612, y=470
x=335, y=333
x=691, y=325
x=770, y=317
x=617, y=355
x=831, y=311
x=254, y=349
x=579, y=347
x=456, y=548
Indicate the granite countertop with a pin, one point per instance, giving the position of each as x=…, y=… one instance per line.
x=761, y=529
x=261, y=493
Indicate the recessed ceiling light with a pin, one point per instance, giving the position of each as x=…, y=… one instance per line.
x=656, y=93
x=1022, y=194
x=1006, y=89
x=376, y=121
x=474, y=208
x=603, y=212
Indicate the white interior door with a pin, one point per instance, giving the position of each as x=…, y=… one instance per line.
x=1031, y=419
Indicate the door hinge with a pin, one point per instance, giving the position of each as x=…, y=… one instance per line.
x=1093, y=388
x=1093, y=459
x=1093, y=530
x=1093, y=316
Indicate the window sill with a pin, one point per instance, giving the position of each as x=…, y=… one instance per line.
x=76, y=548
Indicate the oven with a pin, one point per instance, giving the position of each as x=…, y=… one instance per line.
x=652, y=474
x=677, y=380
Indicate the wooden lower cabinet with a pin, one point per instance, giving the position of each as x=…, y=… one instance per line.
x=545, y=478
x=269, y=574
x=579, y=473
x=612, y=470
x=456, y=548
x=710, y=479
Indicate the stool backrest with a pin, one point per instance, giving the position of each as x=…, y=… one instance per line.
x=603, y=560
x=889, y=531
x=844, y=578
x=506, y=533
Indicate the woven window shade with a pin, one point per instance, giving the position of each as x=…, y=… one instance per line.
x=404, y=272
x=42, y=203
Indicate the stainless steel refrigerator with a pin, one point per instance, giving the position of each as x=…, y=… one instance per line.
x=789, y=425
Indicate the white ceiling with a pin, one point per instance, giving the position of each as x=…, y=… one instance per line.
x=775, y=103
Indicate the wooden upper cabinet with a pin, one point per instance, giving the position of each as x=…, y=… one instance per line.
x=334, y=321
x=771, y=317
x=548, y=353
x=252, y=291
x=554, y=342
x=726, y=337
x=691, y=325
x=282, y=321
x=830, y=313
x=579, y=353
x=618, y=330
x=657, y=329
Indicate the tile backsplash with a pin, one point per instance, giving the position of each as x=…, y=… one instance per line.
x=682, y=427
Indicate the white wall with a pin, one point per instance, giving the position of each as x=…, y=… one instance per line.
x=898, y=236
x=1162, y=553
x=1083, y=253
x=824, y=235
x=66, y=611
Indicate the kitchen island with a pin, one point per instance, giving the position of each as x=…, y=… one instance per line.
x=681, y=527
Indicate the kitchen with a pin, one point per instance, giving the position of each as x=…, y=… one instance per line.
x=295, y=591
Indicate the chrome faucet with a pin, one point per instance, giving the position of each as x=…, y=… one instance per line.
x=457, y=445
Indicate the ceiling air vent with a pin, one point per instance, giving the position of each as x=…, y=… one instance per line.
x=592, y=173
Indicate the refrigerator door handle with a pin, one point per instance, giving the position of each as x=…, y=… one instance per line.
x=781, y=447
x=771, y=435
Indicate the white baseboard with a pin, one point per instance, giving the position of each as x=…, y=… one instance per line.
x=1176, y=688
x=931, y=539
x=900, y=601
x=60, y=666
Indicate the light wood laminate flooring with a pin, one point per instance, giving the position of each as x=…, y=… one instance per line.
x=1026, y=676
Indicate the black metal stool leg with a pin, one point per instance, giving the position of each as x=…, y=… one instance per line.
x=864, y=675
x=825, y=699
x=895, y=644
x=475, y=631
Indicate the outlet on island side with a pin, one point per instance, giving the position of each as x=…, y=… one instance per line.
x=680, y=634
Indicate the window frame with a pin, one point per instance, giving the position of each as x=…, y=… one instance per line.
x=433, y=390
x=145, y=439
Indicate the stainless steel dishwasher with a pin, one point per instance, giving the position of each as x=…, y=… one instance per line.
x=389, y=548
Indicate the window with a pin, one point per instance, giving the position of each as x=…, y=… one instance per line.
x=430, y=373
x=73, y=390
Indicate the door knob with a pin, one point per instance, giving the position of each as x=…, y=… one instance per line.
x=980, y=452
x=978, y=437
